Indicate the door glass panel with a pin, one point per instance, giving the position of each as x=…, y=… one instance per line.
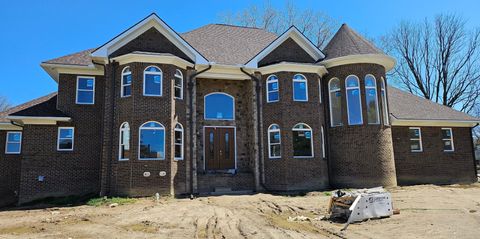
x=211, y=145
x=227, y=146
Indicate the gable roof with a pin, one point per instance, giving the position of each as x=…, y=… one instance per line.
x=81, y=58
x=406, y=106
x=24, y=106
x=46, y=108
x=228, y=44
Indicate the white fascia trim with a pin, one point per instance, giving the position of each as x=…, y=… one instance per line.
x=54, y=70
x=9, y=126
x=224, y=72
x=293, y=67
x=298, y=37
x=386, y=61
x=433, y=123
x=35, y=120
x=152, y=58
x=151, y=21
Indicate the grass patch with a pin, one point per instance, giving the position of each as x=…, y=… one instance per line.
x=104, y=201
x=328, y=194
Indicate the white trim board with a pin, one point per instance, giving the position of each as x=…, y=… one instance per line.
x=38, y=120
x=433, y=123
x=380, y=59
x=152, y=58
x=293, y=67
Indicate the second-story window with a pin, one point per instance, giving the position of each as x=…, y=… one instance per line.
x=300, y=88
x=335, y=96
x=384, y=102
x=85, y=90
x=126, y=89
x=178, y=84
x=152, y=81
x=354, y=104
x=272, y=89
x=219, y=106
x=372, y=101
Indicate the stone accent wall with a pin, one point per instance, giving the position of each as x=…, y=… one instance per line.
x=359, y=155
x=10, y=167
x=433, y=165
x=288, y=51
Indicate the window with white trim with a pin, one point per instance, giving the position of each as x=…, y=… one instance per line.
x=371, y=98
x=300, y=88
x=126, y=89
x=14, y=143
x=219, y=106
x=384, y=102
x=151, y=142
x=415, y=134
x=302, y=141
x=274, y=142
x=85, y=90
x=272, y=89
x=152, y=81
x=323, y=143
x=124, y=153
x=178, y=85
x=354, y=100
x=335, y=97
x=447, y=138
x=65, y=138
x=178, y=142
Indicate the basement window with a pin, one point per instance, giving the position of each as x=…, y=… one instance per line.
x=178, y=84
x=302, y=141
x=85, y=90
x=274, y=142
x=65, y=138
x=447, y=138
x=14, y=143
x=415, y=139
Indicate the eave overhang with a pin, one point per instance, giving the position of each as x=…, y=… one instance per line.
x=37, y=120
x=380, y=59
x=293, y=67
x=54, y=70
x=433, y=123
x=152, y=58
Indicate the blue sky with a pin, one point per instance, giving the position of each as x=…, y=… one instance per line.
x=34, y=31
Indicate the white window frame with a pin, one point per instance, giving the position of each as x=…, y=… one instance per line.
x=415, y=139
x=330, y=91
x=7, y=142
x=320, y=90
x=311, y=140
x=58, y=138
x=125, y=126
x=205, y=106
x=306, y=87
x=272, y=79
x=181, y=143
x=178, y=75
x=323, y=142
x=450, y=139
x=77, y=90
x=383, y=95
x=145, y=72
x=376, y=97
x=359, y=99
x=122, y=94
x=156, y=128
x=270, y=130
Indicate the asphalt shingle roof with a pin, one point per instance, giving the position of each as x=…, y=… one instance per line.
x=81, y=58
x=27, y=105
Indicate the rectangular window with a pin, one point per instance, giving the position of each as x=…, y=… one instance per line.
x=274, y=144
x=272, y=91
x=85, y=90
x=447, y=138
x=65, y=138
x=14, y=143
x=415, y=139
x=323, y=143
x=302, y=144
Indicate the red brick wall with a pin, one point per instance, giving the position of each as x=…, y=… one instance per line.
x=9, y=173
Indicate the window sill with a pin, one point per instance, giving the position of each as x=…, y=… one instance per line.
x=303, y=157
x=152, y=95
x=178, y=159
x=121, y=160
x=417, y=151
x=152, y=159
x=12, y=153
x=274, y=158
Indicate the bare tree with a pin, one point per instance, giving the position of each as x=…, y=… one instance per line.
x=316, y=25
x=438, y=60
x=4, y=105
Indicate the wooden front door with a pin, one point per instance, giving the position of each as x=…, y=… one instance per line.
x=219, y=147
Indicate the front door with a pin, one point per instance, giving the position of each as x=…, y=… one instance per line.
x=219, y=148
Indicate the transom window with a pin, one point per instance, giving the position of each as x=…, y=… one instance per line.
x=300, y=88
x=65, y=138
x=85, y=90
x=126, y=82
x=335, y=96
x=384, y=102
x=124, y=142
x=152, y=141
x=178, y=84
x=152, y=81
x=373, y=116
x=415, y=139
x=302, y=141
x=178, y=142
x=272, y=89
x=447, y=138
x=354, y=105
x=14, y=143
x=219, y=106
x=274, y=141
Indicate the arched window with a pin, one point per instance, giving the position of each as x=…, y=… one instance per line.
x=178, y=142
x=371, y=97
x=152, y=81
x=178, y=84
x=219, y=106
x=384, y=102
x=126, y=89
x=335, y=96
x=300, y=88
x=124, y=147
x=354, y=104
x=274, y=142
x=272, y=89
x=151, y=141
x=302, y=141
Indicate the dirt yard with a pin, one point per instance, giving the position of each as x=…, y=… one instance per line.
x=425, y=212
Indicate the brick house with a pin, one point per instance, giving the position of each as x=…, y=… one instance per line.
x=225, y=108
